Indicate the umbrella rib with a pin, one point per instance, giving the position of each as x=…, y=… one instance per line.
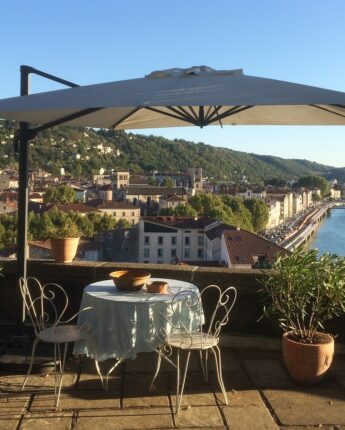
x=169, y=114
x=228, y=113
x=64, y=119
x=129, y=114
x=193, y=112
x=178, y=112
x=216, y=109
x=186, y=112
x=330, y=111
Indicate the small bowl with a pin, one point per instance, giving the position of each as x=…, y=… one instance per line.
x=158, y=287
x=129, y=280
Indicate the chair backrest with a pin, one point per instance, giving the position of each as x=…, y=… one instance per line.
x=225, y=301
x=45, y=304
x=186, y=317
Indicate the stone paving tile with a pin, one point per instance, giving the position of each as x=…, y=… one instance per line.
x=93, y=382
x=10, y=383
x=199, y=416
x=246, y=410
x=322, y=427
x=11, y=408
x=308, y=406
x=141, y=418
x=268, y=373
x=76, y=400
x=136, y=391
x=42, y=421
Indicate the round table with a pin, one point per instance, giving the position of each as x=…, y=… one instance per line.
x=126, y=323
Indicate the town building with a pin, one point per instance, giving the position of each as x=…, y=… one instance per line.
x=245, y=250
x=169, y=240
x=121, y=211
x=171, y=202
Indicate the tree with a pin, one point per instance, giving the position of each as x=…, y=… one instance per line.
x=168, y=182
x=151, y=180
x=259, y=213
x=62, y=194
x=315, y=182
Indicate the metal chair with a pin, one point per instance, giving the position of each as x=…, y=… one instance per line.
x=40, y=305
x=180, y=338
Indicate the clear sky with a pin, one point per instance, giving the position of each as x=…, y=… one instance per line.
x=87, y=41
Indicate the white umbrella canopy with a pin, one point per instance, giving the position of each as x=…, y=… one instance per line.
x=181, y=97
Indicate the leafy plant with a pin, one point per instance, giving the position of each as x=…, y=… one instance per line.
x=68, y=230
x=304, y=291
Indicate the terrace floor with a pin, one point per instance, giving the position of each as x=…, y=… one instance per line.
x=261, y=394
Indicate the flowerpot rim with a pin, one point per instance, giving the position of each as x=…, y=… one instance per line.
x=309, y=345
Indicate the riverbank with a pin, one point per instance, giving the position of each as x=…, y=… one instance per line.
x=310, y=227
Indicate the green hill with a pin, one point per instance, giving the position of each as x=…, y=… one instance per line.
x=84, y=151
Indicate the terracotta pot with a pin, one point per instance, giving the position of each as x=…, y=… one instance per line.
x=64, y=250
x=307, y=363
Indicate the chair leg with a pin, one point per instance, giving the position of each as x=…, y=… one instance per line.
x=99, y=372
x=158, y=366
x=62, y=368
x=31, y=362
x=218, y=361
x=179, y=391
x=203, y=363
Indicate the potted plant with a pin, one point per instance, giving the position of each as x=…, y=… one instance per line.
x=64, y=239
x=302, y=293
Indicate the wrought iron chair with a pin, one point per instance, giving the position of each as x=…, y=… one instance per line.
x=40, y=305
x=179, y=338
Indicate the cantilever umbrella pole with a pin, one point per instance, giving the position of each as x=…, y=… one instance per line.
x=23, y=137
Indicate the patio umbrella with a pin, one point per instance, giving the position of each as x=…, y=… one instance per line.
x=198, y=96
x=180, y=97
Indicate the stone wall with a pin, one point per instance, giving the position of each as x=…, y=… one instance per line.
x=75, y=276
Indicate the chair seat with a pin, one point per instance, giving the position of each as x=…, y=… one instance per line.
x=64, y=333
x=193, y=340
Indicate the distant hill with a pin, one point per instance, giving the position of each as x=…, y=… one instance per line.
x=84, y=151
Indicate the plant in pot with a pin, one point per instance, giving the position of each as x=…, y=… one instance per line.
x=303, y=292
x=64, y=239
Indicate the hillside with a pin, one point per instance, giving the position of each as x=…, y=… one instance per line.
x=84, y=151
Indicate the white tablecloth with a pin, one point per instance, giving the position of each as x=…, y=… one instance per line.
x=125, y=323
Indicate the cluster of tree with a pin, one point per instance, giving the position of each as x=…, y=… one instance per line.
x=165, y=182
x=251, y=214
x=62, y=194
x=40, y=226
x=315, y=182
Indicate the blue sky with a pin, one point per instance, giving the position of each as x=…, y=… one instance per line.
x=89, y=42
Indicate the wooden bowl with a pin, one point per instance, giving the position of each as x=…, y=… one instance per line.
x=130, y=280
x=158, y=287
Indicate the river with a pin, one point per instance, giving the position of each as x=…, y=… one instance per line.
x=330, y=236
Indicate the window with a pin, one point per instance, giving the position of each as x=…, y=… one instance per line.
x=187, y=253
x=114, y=213
x=133, y=213
x=200, y=240
x=187, y=240
x=200, y=253
x=109, y=235
x=173, y=252
x=160, y=252
x=123, y=213
x=173, y=240
x=160, y=240
x=146, y=240
x=146, y=252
